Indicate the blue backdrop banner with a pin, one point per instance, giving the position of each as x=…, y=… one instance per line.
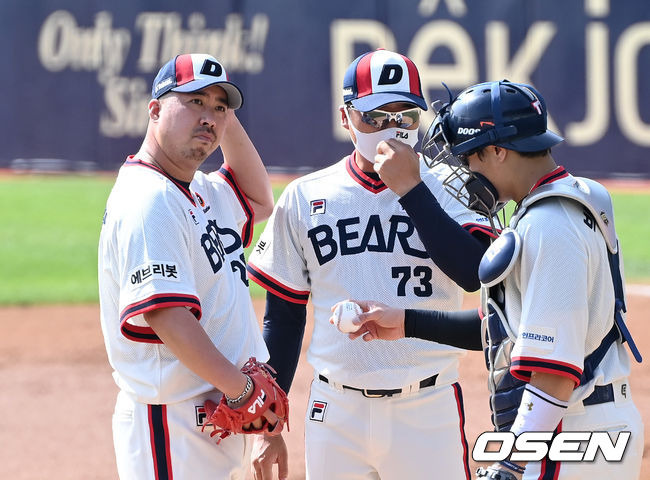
x=77, y=76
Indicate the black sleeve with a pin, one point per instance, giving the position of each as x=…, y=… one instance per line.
x=284, y=328
x=453, y=249
x=458, y=329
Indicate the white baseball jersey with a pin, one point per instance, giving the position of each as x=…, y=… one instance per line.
x=163, y=245
x=338, y=234
x=560, y=305
x=560, y=294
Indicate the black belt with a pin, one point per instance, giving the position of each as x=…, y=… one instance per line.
x=369, y=393
x=601, y=394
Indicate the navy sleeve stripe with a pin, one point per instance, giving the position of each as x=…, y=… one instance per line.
x=522, y=367
x=165, y=300
x=473, y=227
x=275, y=287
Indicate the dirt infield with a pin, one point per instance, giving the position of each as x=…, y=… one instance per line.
x=58, y=394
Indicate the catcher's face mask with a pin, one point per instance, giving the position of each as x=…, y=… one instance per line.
x=471, y=189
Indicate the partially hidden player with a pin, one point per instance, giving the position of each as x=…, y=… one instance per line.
x=176, y=314
x=551, y=320
x=378, y=410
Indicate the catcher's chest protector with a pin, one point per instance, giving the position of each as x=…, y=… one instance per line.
x=497, y=263
x=498, y=338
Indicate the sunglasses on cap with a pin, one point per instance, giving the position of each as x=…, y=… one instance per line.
x=381, y=118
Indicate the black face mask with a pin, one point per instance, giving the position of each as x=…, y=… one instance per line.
x=483, y=196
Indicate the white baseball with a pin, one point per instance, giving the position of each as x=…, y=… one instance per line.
x=344, y=313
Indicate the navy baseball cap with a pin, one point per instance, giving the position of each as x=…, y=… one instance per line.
x=191, y=72
x=380, y=77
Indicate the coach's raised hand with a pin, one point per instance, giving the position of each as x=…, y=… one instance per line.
x=398, y=166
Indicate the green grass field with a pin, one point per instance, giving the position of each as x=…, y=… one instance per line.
x=49, y=227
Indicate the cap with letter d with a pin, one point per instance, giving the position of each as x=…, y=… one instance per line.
x=380, y=77
x=194, y=71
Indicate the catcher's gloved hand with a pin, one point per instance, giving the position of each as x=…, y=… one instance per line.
x=267, y=395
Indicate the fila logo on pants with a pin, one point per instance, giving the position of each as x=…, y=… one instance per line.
x=317, y=412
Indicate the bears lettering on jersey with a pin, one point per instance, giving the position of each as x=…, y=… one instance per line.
x=213, y=246
x=328, y=243
x=217, y=242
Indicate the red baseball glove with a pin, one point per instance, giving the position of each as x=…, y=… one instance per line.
x=267, y=395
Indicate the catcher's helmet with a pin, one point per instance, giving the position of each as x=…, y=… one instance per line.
x=509, y=115
x=505, y=114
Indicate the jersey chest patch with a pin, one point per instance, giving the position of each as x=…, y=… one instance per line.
x=144, y=273
x=538, y=338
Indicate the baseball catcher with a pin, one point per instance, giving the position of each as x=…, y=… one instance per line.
x=242, y=414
